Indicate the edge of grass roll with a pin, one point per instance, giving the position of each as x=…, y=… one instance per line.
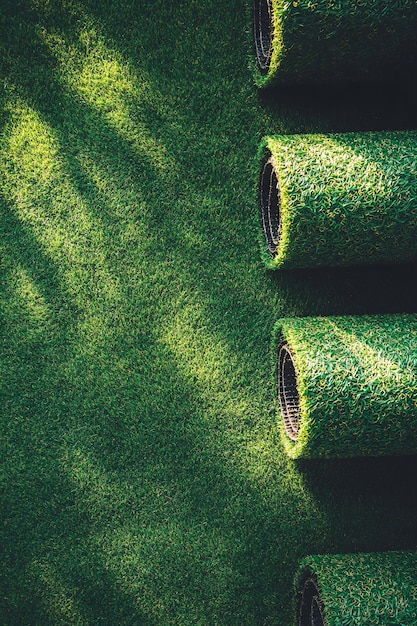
x=263, y=32
x=310, y=608
x=329, y=42
x=272, y=201
x=337, y=199
x=357, y=589
x=267, y=30
x=294, y=430
x=346, y=386
x=289, y=397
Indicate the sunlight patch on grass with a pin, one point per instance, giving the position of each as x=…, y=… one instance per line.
x=33, y=147
x=330, y=156
x=104, y=80
x=36, y=184
x=210, y=365
x=202, y=356
x=379, y=369
x=58, y=598
x=27, y=298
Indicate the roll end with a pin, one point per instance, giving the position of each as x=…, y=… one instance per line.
x=289, y=397
x=263, y=26
x=270, y=204
x=311, y=608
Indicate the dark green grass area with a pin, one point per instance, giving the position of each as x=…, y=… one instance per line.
x=143, y=480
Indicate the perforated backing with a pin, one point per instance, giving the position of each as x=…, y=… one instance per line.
x=289, y=398
x=311, y=608
x=270, y=204
x=263, y=26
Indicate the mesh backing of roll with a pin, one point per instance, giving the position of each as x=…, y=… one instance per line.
x=270, y=203
x=263, y=30
x=288, y=392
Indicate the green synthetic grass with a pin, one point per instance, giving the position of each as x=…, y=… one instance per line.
x=357, y=385
x=336, y=41
x=377, y=589
x=142, y=476
x=344, y=199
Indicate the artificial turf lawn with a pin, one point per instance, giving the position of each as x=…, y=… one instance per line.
x=143, y=480
x=357, y=384
x=376, y=589
x=336, y=41
x=344, y=199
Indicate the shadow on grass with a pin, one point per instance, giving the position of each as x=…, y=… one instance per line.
x=50, y=573
x=384, y=486
x=125, y=508
x=372, y=289
x=143, y=480
x=352, y=108
x=126, y=424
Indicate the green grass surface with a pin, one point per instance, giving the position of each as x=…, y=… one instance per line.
x=345, y=199
x=357, y=384
x=339, y=41
x=143, y=480
x=376, y=589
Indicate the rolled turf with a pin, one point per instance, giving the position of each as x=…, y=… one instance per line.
x=378, y=589
x=347, y=386
x=333, y=41
x=338, y=199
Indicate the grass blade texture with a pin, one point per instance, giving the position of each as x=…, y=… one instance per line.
x=142, y=482
x=347, y=386
x=338, y=199
x=377, y=589
x=333, y=41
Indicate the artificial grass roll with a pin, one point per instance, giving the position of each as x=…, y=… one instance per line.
x=338, y=199
x=347, y=386
x=333, y=41
x=378, y=589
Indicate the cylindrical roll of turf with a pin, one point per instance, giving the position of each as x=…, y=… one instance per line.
x=338, y=199
x=378, y=589
x=333, y=41
x=347, y=386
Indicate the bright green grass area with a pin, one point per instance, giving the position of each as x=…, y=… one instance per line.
x=143, y=480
